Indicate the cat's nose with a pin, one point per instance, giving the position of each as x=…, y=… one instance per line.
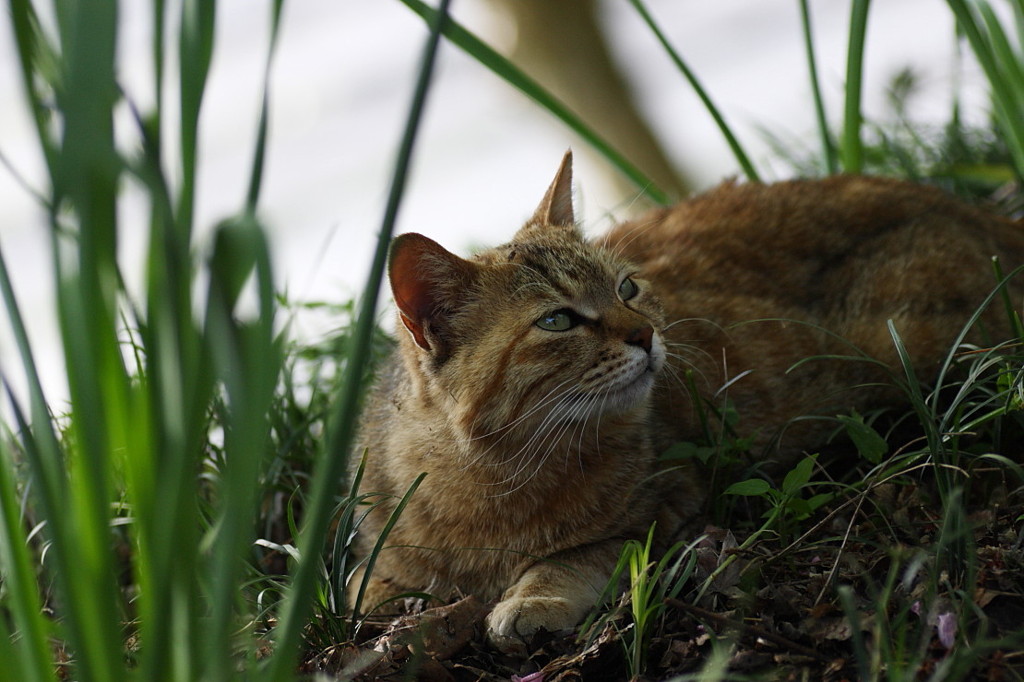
x=641, y=336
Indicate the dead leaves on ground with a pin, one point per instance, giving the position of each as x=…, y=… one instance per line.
x=776, y=616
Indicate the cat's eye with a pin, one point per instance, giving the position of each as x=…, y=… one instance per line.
x=628, y=289
x=558, y=321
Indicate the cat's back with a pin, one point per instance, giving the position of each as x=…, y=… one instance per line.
x=802, y=240
x=757, y=278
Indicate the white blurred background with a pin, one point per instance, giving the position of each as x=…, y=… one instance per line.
x=340, y=91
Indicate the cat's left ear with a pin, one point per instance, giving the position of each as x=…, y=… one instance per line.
x=556, y=206
x=428, y=283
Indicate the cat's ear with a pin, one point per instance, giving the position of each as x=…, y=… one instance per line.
x=427, y=281
x=556, y=206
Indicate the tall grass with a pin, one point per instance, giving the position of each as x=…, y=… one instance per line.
x=167, y=437
x=998, y=44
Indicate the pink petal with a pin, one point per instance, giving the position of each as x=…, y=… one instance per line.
x=947, y=629
x=532, y=677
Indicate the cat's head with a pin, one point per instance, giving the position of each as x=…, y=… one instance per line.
x=546, y=330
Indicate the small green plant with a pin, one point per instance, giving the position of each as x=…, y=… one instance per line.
x=720, y=451
x=869, y=443
x=653, y=578
x=643, y=602
x=787, y=504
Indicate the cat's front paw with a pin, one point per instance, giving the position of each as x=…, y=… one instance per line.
x=513, y=621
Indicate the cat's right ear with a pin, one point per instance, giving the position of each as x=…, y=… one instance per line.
x=555, y=208
x=426, y=282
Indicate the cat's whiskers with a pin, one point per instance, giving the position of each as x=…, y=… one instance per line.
x=703, y=320
x=573, y=415
x=557, y=435
x=546, y=400
x=553, y=396
x=553, y=433
x=684, y=354
x=686, y=365
x=584, y=408
x=639, y=230
x=695, y=350
x=673, y=373
x=597, y=436
x=550, y=433
x=694, y=345
x=580, y=426
x=555, y=415
x=581, y=432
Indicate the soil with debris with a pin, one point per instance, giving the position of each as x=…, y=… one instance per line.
x=775, y=609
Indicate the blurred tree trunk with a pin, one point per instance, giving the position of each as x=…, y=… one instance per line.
x=560, y=43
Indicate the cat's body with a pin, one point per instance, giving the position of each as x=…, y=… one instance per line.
x=750, y=275
x=540, y=380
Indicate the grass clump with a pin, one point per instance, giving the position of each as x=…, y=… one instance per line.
x=131, y=527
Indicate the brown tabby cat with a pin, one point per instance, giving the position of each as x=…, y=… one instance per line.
x=537, y=383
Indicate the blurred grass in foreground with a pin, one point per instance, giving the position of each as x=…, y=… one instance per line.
x=127, y=532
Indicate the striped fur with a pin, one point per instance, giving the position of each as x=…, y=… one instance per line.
x=540, y=379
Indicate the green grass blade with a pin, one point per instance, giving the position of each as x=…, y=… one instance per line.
x=925, y=412
x=35, y=56
x=94, y=618
x=13, y=657
x=913, y=384
x=860, y=650
x=40, y=414
x=333, y=460
x=1009, y=308
x=57, y=522
x=1018, y=21
x=88, y=170
x=345, y=534
x=44, y=457
x=159, y=20
x=174, y=392
x=852, y=151
x=512, y=75
x=247, y=358
x=730, y=138
x=256, y=173
x=830, y=162
x=171, y=399
x=1005, y=98
x=379, y=546
x=1008, y=60
x=1008, y=88
x=31, y=652
x=195, y=52
x=949, y=361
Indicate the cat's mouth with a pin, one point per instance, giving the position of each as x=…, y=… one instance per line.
x=622, y=387
x=625, y=392
x=631, y=395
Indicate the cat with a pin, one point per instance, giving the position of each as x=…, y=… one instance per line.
x=538, y=382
